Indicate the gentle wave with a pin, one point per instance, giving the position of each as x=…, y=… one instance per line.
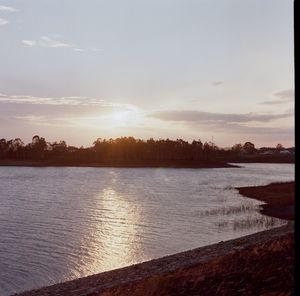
x=58, y=224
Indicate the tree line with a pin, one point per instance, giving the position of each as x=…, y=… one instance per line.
x=123, y=149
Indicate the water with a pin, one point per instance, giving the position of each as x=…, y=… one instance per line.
x=58, y=224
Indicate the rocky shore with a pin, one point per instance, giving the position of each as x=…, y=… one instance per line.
x=257, y=264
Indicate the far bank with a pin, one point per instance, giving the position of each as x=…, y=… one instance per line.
x=120, y=164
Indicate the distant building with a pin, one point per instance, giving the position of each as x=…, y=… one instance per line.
x=268, y=152
x=285, y=152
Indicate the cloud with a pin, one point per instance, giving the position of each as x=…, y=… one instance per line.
x=91, y=49
x=55, y=42
x=285, y=94
x=224, y=125
x=46, y=41
x=95, y=49
x=72, y=111
x=16, y=99
x=216, y=83
x=274, y=102
x=254, y=130
x=32, y=118
x=3, y=21
x=29, y=43
x=7, y=8
x=209, y=117
x=63, y=101
x=78, y=49
x=47, y=120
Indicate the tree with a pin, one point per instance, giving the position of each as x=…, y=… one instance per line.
x=3, y=148
x=38, y=147
x=279, y=147
x=237, y=148
x=249, y=148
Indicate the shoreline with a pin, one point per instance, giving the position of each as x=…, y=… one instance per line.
x=256, y=264
x=250, y=265
x=178, y=165
x=279, y=198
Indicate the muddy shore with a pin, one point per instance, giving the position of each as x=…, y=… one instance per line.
x=279, y=198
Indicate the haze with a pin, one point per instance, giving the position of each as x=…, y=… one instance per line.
x=209, y=70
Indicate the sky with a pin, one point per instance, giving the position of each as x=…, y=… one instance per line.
x=214, y=70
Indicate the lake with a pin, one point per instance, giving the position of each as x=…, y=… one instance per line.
x=61, y=223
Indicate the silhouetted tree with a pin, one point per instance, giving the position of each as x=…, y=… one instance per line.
x=127, y=150
x=237, y=148
x=249, y=148
x=279, y=147
x=38, y=147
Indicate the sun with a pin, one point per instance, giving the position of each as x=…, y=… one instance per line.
x=120, y=117
x=112, y=120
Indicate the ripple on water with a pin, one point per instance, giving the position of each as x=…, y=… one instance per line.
x=58, y=224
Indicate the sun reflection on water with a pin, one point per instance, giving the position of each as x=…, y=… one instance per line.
x=116, y=234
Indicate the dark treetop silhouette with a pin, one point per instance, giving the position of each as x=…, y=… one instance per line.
x=128, y=151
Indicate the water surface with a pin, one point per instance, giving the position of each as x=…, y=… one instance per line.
x=58, y=224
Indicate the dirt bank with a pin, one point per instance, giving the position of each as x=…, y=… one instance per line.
x=279, y=198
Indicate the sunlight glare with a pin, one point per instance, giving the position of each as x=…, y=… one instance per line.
x=121, y=117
